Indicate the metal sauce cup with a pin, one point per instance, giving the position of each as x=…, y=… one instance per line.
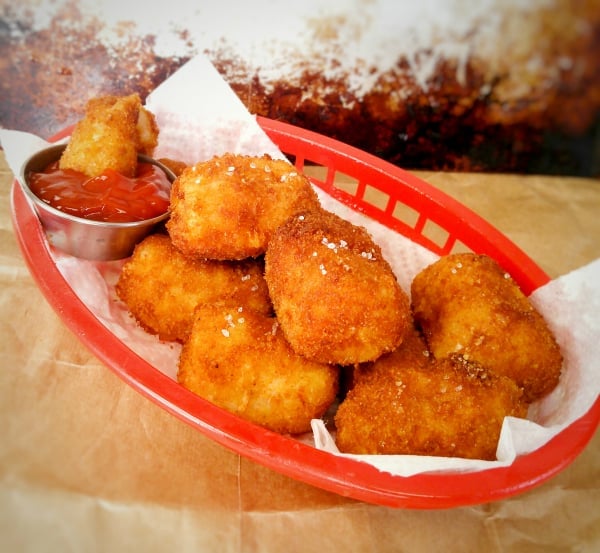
x=85, y=238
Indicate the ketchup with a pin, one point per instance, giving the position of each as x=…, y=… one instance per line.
x=108, y=197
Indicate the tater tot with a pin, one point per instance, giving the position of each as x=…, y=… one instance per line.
x=176, y=166
x=110, y=135
x=335, y=296
x=230, y=206
x=161, y=287
x=467, y=305
x=147, y=132
x=408, y=403
x=239, y=360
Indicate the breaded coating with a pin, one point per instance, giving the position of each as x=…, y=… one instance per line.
x=466, y=304
x=161, y=287
x=174, y=165
x=110, y=135
x=408, y=403
x=230, y=206
x=147, y=132
x=414, y=352
x=335, y=296
x=239, y=360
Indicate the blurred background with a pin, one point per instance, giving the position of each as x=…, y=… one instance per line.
x=465, y=85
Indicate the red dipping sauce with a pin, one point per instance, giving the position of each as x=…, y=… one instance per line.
x=109, y=197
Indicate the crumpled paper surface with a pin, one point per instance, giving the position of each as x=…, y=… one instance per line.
x=199, y=116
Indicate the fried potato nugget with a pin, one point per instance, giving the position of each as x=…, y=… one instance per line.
x=230, y=206
x=176, y=166
x=408, y=403
x=335, y=296
x=237, y=359
x=147, y=131
x=466, y=304
x=111, y=134
x=161, y=287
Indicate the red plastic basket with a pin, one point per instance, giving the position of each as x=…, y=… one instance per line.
x=396, y=192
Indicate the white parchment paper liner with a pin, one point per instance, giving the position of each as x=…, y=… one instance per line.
x=199, y=116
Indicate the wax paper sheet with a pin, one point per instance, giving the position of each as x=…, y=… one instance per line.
x=199, y=116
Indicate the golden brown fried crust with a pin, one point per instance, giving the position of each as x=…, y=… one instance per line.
x=161, y=287
x=239, y=360
x=147, y=132
x=466, y=304
x=230, y=206
x=174, y=165
x=335, y=296
x=110, y=135
x=408, y=403
x=414, y=353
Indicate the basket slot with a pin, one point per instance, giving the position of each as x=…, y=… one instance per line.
x=376, y=201
x=376, y=197
x=405, y=214
x=440, y=236
x=345, y=182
